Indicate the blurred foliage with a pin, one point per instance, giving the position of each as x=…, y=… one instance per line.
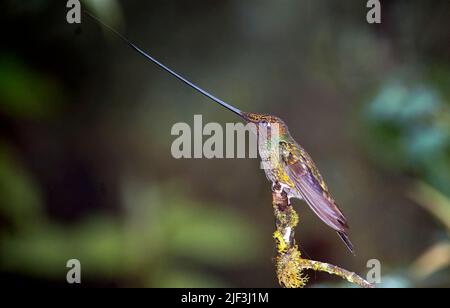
x=409, y=131
x=25, y=92
x=434, y=202
x=159, y=228
x=109, y=11
x=434, y=264
x=21, y=204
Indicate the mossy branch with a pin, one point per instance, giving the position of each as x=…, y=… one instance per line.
x=289, y=263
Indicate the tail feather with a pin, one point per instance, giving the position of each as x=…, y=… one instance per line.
x=346, y=240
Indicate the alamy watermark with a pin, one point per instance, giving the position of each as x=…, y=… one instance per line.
x=374, y=14
x=73, y=275
x=374, y=273
x=73, y=16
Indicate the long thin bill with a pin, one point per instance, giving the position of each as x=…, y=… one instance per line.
x=167, y=69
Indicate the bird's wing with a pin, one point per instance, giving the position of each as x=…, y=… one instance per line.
x=304, y=174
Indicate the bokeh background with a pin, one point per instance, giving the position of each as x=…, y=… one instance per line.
x=85, y=164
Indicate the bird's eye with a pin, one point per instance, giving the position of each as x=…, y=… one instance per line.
x=264, y=123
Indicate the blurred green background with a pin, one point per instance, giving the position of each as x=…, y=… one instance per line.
x=85, y=164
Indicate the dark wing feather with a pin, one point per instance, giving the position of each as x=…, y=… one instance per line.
x=314, y=193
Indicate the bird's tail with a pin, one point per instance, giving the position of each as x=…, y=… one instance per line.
x=346, y=240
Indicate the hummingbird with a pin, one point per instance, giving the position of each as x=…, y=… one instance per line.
x=290, y=167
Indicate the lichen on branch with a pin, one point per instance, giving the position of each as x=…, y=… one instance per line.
x=290, y=265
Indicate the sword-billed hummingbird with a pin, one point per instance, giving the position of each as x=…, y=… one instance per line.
x=292, y=169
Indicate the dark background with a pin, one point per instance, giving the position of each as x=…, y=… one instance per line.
x=86, y=170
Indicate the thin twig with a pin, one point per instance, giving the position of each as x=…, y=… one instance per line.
x=337, y=271
x=290, y=265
